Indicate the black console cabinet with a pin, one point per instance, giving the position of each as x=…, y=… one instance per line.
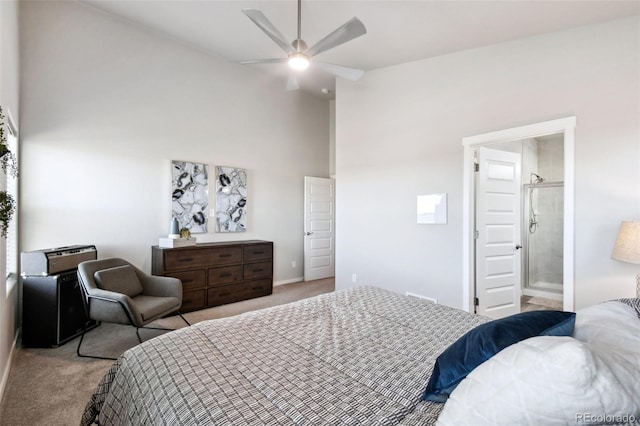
x=53, y=310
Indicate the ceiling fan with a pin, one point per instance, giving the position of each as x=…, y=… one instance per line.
x=299, y=55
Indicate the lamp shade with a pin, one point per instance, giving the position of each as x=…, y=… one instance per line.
x=627, y=248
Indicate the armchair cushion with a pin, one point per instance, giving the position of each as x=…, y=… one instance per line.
x=119, y=279
x=152, y=307
x=161, y=286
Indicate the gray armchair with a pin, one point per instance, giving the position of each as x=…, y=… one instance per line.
x=115, y=291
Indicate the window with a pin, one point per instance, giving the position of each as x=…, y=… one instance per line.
x=11, y=242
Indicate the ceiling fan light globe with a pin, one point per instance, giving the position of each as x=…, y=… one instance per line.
x=299, y=61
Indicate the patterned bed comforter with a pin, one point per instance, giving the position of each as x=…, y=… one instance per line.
x=355, y=357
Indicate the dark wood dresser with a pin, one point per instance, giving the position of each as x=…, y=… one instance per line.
x=214, y=274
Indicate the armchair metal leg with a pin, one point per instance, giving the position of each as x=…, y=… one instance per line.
x=184, y=319
x=159, y=328
x=149, y=328
x=84, y=331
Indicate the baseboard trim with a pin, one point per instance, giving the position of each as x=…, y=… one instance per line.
x=7, y=369
x=292, y=280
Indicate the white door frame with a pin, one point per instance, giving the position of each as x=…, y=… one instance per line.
x=562, y=125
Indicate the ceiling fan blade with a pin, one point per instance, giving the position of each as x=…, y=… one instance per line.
x=292, y=83
x=352, y=74
x=352, y=29
x=267, y=27
x=264, y=61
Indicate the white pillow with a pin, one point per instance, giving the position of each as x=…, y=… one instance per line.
x=557, y=380
x=612, y=325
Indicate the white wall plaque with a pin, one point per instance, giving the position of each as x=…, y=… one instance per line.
x=432, y=209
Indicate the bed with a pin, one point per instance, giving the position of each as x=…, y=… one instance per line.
x=361, y=356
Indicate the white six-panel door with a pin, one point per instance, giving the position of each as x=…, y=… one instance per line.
x=319, y=226
x=498, y=258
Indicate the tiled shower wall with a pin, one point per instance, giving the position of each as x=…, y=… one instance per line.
x=545, y=157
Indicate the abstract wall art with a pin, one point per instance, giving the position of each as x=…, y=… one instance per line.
x=190, y=195
x=231, y=199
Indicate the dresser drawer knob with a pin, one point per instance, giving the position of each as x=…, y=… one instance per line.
x=258, y=252
x=258, y=270
x=225, y=255
x=185, y=259
x=226, y=274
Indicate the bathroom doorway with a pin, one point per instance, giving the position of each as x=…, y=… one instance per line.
x=542, y=222
x=547, y=164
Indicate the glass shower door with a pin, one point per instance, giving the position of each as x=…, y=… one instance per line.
x=543, y=236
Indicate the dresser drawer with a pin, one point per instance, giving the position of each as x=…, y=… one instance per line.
x=258, y=270
x=236, y=292
x=193, y=300
x=201, y=257
x=258, y=252
x=226, y=274
x=191, y=280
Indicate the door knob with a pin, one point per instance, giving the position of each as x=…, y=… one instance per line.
x=518, y=246
x=308, y=233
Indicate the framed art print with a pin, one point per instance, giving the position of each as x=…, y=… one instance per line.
x=190, y=195
x=231, y=199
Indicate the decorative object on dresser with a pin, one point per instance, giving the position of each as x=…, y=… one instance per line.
x=627, y=248
x=52, y=307
x=184, y=233
x=231, y=199
x=190, y=195
x=174, y=232
x=218, y=273
x=177, y=238
x=176, y=242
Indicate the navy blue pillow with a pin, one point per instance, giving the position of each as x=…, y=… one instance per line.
x=486, y=340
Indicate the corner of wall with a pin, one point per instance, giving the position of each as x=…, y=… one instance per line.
x=7, y=367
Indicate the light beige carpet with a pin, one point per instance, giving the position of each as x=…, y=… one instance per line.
x=52, y=386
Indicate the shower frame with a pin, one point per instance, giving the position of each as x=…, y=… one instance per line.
x=526, y=218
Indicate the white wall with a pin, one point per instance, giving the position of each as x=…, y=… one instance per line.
x=399, y=132
x=9, y=84
x=107, y=106
x=332, y=138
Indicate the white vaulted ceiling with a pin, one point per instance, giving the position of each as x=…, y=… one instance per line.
x=398, y=31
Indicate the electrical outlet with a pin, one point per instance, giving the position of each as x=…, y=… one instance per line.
x=354, y=278
x=293, y=263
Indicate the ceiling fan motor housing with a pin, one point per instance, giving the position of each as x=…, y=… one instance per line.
x=299, y=45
